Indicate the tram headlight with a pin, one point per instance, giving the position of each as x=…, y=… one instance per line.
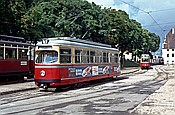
x=42, y=73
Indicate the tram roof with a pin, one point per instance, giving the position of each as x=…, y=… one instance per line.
x=10, y=37
x=13, y=40
x=68, y=41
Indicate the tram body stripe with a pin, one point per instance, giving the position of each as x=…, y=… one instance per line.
x=67, y=66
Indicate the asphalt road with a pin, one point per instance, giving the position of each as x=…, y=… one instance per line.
x=114, y=97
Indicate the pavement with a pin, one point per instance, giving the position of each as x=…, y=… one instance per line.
x=17, y=87
x=162, y=101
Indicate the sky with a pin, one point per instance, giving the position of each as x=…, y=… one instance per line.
x=156, y=16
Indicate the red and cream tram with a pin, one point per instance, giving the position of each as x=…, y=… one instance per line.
x=63, y=61
x=16, y=58
x=145, y=61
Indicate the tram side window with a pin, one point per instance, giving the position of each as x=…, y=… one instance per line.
x=88, y=56
x=92, y=56
x=114, y=58
x=109, y=57
x=104, y=57
x=22, y=54
x=98, y=56
x=1, y=53
x=10, y=53
x=65, y=55
x=78, y=54
x=85, y=56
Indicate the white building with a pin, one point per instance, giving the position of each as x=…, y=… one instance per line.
x=168, y=48
x=128, y=56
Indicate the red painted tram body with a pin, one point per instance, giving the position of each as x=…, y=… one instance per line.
x=15, y=57
x=145, y=61
x=63, y=61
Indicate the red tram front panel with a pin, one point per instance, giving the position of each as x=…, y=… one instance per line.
x=144, y=65
x=56, y=75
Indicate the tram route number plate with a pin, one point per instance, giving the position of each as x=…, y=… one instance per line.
x=23, y=62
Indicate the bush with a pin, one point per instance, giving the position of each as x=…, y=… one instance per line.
x=128, y=63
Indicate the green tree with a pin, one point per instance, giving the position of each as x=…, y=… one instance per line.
x=35, y=19
x=10, y=20
x=75, y=18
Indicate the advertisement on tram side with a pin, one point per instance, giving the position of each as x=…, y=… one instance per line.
x=85, y=71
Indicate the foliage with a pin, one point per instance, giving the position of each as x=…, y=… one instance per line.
x=128, y=63
x=10, y=20
x=37, y=19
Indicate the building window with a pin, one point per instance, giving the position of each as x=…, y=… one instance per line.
x=172, y=55
x=167, y=49
x=167, y=55
x=172, y=49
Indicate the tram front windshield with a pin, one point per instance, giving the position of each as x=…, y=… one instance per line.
x=145, y=60
x=47, y=57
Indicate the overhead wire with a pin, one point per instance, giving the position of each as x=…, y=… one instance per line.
x=163, y=31
x=152, y=11
x=161, y=10
x=155, y=21
x=133, y=6
x=160, y=24
x=144, y=12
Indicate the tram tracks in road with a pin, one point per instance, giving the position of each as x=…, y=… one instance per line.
x=140, y=71
x=161, y=73
x=23, y=95
x=73, y=96
x=96, y=85
x=33, y=93
x=71, y=87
